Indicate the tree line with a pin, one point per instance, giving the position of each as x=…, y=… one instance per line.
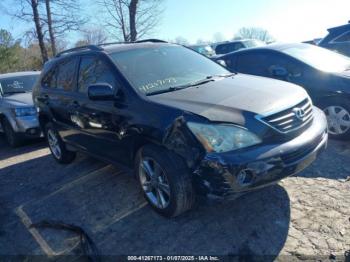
x=50, y=21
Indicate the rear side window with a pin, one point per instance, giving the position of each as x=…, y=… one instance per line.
x=342, y=38
x=261, y=63
x=94, y=70
x=252, y=63
x=66, y=75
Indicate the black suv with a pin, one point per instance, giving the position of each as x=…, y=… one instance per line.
x=184, y=123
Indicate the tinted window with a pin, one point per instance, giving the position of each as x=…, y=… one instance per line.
x=66, y=75
x=261, y=63
x=227, y=48
x=50, y=79
x=343, y=38
x=159, y=68
x=230, y=61
x=252, y=63
x=94, y=70
x=18, y=84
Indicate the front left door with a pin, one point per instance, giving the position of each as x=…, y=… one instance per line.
x=99, y=123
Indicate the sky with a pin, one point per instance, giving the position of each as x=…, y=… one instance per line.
x=286, y=20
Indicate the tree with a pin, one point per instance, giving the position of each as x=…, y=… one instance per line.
x=49, y=25
x=62, y=16
x=129, y=20
x=29, y=11
x=94, y=36
x=39, y=30
x=9, y=49
x=254, y=33
x=52, y=17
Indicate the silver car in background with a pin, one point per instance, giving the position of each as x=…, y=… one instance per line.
x=18, y=116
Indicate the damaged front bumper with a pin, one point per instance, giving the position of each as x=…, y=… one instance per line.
x=233, y=173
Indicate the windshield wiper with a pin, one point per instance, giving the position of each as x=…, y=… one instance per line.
x=196, y=83
x=170, y=89
x=209, y=79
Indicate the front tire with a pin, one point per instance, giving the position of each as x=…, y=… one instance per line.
x=337, y=111
x=12, y=138
x=165, y=181
x=57, y=146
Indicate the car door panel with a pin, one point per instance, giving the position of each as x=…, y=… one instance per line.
x=98, y=123
x=61, y=90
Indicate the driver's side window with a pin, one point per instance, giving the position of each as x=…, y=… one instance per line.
x=281, y=66
x=94, y=70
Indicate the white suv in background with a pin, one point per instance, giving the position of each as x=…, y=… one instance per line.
x=18, y=116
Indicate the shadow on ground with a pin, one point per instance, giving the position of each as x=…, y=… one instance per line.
x=28, y=146
x=108, y=205
x=255, y=224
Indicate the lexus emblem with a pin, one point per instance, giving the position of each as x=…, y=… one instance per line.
x=299, y=113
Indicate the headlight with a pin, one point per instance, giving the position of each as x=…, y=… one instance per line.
x=25, y=111
x=222, y=137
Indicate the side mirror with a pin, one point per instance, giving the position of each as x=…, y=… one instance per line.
x=221, y=62
x=279, y=71
x=101, y=92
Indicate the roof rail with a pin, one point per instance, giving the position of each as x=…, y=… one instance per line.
x=98, y=47
x=153, y=40
x=85, y=47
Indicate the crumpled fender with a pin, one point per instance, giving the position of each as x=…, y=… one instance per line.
x=179, y=138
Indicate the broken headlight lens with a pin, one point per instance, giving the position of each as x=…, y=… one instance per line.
x=223, y=137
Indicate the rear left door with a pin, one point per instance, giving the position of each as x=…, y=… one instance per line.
x=61, y=94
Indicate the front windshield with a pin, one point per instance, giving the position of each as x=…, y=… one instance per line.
x=18, y=84
x=319, y=58
x=153, y=70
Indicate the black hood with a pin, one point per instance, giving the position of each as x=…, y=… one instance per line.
x=229, y=98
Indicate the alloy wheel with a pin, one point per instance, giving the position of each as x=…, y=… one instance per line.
x=154, y=182
x=338, y=119
x=54, y=143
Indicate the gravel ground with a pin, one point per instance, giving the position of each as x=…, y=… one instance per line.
x=304, y=216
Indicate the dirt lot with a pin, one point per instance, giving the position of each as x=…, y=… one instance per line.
x=305, y=215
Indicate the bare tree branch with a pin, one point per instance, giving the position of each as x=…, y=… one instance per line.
x=254, y=33
x=130, y=20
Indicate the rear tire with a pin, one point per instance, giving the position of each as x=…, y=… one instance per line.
x=12, y=138
x=169, y=191
x=57, y=146
x=337, y=110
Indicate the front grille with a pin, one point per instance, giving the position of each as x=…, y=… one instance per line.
x=288, y=120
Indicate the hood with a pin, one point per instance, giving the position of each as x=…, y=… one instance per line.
x=229, y=99
x=22, y=99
